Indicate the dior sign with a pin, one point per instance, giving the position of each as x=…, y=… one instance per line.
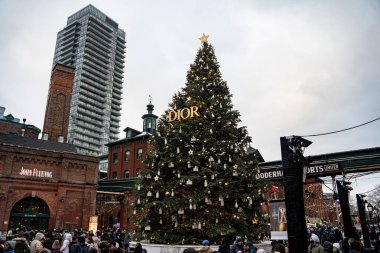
x=35, y=173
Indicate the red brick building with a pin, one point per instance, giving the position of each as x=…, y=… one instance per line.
x=125, y=161
x=58, y=104
x=45, y=184
x=315, y=206
x=11, y=125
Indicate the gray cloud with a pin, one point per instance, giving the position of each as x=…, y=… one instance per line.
x=293, y=68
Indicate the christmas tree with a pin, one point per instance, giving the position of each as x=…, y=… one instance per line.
x=199, y=180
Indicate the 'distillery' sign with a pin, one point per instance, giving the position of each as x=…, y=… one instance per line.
x=36, y=173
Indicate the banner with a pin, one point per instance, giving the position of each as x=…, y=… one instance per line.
x=93, y=225
x=278, y=223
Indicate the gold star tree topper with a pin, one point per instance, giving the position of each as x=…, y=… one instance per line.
x=203, y=38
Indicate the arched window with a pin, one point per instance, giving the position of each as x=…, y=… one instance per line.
x=30, y=212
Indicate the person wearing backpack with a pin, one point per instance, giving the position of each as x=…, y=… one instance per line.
x=81, y=246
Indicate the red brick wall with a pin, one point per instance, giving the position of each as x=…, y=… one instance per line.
x=9, y=127
x=58, y=104
x=70, y=193
x=133, y=164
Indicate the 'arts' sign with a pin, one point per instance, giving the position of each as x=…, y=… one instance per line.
x=35, y=173
x=316, y=170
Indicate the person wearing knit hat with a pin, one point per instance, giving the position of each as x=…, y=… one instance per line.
x=336, y=248
x=8, y=247
x=249, y=247
x=314, y=246
x=37, y=242
x=206, y=247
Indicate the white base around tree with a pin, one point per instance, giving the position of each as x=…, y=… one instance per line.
x=164, y=248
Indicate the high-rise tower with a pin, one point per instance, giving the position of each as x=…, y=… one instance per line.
x=94, y=45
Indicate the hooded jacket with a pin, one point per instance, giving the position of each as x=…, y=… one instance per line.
x=65, y=245
x=36, y=243
x=315, y=247
x=21, y=245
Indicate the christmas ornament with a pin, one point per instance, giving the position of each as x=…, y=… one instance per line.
x=149, y=194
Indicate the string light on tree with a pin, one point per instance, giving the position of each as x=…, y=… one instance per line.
x=197, y=147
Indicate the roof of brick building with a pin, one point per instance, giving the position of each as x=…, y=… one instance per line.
x=20, y=141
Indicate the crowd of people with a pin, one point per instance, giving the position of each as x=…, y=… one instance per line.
x=322, y=239
x=22, y=240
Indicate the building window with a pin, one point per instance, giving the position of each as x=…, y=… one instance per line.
x=126, y=174
x=139, y=153
x=114, y=157
x=126, y=155
x=114, y=175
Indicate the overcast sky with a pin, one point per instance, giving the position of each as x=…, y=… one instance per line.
x=293, y=67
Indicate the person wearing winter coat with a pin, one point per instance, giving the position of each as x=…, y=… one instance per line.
x=249, y=247
x=224, y=247
x=21, y=245
x=56, y=246
x=315, y=246
x=336, y=248
x=238, y=245
x=327, y=247
x=205, y=247
x=66, y=243
x=8, y=247
x=377, y=244
x=37, y=242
